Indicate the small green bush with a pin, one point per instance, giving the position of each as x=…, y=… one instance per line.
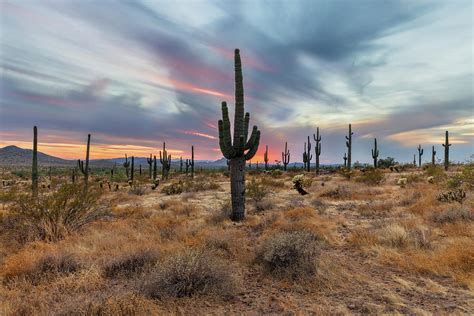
x=173, y=188
x=256, y=190
x=371, y=177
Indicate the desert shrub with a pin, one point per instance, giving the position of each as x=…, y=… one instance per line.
x=41, y=268
x=128, y=304
x=339, y=192
x=371, y=177
x=137, y=190
x=453, y=215
x=53, y=216
x=387, y=162
x=129, y=264
x=270, y=182
x=276, y=173
x=256, y=190
x=290, y=254
x=173, y=188
x=320, y=206
x=189, y=273
x=465, y=177
x=202, y=184
x=295, y=202
x=434, y=171
x=263, y=205
x=458, y=195
x=414, y=177
x=300, y=182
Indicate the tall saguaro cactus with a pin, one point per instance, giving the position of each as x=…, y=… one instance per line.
x=420, y=153
x=433, y=156
x=414, y=160
x=345, y=160
x=446, y=151
x=265, y=157
x=34, y=170
x=285, y=156
x=375, y=153
x=165, y=160
x=181, y=164
x=317, y=148
x=155, y=169
x=241, y=149
x=150, y=163
x=85, y=169
x=132, y=169
x=349, y=147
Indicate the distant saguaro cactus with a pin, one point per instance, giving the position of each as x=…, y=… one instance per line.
x=73, y=175
x=414, y=160
x=420, y=153
x=34, y=170
x=155, y=169
x=165, y=161
x=191, y=162
x=285, y=156
x=150, y=163
x=317, y=148
x=187, y=166
x=132, y=169
x=446, y=151
x=308, y=155
x=349, y=147
x=375, y=153
x=433, y=156
x=126, y=165
x=345, y=160
x=181, y=164
x=236, y=150
x=265, y=157
x=85, y=169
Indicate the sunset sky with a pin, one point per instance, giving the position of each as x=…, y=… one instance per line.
x=137, y=73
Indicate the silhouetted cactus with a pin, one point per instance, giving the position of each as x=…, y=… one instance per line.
x=191, y=162
x=414, y=160
x=150, y=165
x=140, y=169
x=155, y=169
x=345, y=160
x=349, y=147
x=126, y=165
x=132, y=169
x=240, y=149
x=375, y=153
x=285, y=157
x=446, y=151
x=73, y=175
x=420, y=153
x=85, y=169
x=165, y=161
x=307, y=156
x=317, y=148
x=433, y=156
x=180, y=164
x=34, y=171
x=265, y=157
x=187, y=166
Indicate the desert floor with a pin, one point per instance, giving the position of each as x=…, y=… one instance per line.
x=350, y=246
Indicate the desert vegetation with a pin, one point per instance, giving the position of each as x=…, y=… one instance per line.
x=380, y=239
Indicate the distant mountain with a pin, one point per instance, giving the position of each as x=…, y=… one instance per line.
x=16, y=156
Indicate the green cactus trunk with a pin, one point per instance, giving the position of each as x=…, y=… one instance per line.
x=180, y=164
x=317, y=148
x=433, y=156
x=349, y=147
x=165, y=160
x=446, y=151
x=150, y=164
x=241, y=149
x=34, y=171
x=155, y=169
x=85, y=169
x=375, y=153
x=132, y=169
x=285, y=156
x=345, y=160
x=308, y=156
x=420, y=153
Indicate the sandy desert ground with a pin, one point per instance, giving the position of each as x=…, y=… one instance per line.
x=358, y=245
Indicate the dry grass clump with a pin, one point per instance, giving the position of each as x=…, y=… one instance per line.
x=129, y=304
x=271, y=182
x=290, y=255
x=454, y=214
x=31, y=266
x=339, y=192
x=220, y=214
x=189, y=273
x=52, y=217
x=397, y=236
x=129, y=264
x=137, y=189
x=173, y=188
x=255, y=190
